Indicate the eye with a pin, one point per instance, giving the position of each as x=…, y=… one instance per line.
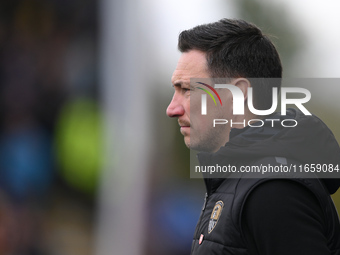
x=188, y=88
x=186, y=91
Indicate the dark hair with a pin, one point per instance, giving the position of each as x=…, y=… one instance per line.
x=235, y=48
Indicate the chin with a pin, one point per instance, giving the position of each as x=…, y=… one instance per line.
x=187, y=142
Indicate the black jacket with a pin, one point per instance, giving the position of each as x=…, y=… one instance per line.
x=263, y=216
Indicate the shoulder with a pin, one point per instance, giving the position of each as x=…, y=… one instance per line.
x=281, y=196
x=283, y=217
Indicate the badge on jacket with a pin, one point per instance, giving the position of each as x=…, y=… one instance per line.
x=215, y=215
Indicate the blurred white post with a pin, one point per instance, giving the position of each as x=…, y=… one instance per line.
x=122, y=199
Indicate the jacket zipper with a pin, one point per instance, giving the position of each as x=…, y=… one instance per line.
x=200, y=220
x=205, y=201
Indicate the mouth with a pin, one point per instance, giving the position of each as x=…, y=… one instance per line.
x=184, y=126
x=185, y=129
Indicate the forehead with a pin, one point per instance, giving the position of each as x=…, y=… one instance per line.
x=191, y=64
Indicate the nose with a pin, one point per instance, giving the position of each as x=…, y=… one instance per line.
x=175, y=108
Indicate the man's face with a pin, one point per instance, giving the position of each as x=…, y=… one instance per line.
x=197, y=129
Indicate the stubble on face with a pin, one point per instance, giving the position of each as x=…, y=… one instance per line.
x=198, y=131
x=209, y=138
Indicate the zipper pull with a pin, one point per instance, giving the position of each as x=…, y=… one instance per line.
x=205, y=201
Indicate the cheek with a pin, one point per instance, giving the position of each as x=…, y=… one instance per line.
x=227, y=107
x=187, y=108
x=202, y=124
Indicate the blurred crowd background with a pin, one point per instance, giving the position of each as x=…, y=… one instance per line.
x=49, y=116
x=89, y=162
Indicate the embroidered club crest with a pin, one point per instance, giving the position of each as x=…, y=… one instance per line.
x=215, y=215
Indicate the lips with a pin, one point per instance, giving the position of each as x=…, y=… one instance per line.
x=185, y=130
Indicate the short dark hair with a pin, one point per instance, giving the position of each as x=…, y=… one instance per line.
x=235, y=48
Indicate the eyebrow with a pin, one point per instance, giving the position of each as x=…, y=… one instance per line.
x=177, y=84
x=180, y=84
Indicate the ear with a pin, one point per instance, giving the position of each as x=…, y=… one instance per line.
x=243, y=84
